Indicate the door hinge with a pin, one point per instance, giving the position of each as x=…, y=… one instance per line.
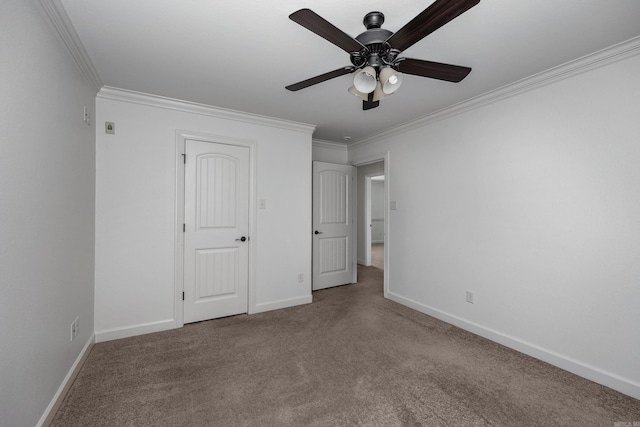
x=184, y=158
x=184, y=228
x=183, y=296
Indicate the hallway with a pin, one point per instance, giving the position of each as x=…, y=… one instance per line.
x=377, y=255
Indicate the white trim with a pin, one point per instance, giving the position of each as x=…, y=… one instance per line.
x=130, y=96
x=569, y=69
x=54, y=405
x=329, y=145
x=132, y=331
x=181, y=137
x=285, y=303
x=61, y=23
x=592, y=373
x=178, y=305
x=367, y=220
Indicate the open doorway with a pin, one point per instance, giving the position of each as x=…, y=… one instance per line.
x=371, y=211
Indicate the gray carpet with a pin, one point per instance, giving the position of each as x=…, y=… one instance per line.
x=350, y=358
x=377, y=255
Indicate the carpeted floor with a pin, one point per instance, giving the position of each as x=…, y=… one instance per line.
x=377, y=255
x=350, y=358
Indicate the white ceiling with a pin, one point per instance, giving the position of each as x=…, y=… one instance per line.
x=240, y=54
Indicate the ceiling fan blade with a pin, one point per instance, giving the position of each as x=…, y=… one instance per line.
x=434, y=70
x=321, y=78
x=429, y=20
x=317, y=24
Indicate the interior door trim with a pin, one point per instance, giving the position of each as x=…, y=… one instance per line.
x=181, y=137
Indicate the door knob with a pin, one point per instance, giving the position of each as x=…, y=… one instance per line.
x=317, y=232
x=242, y=239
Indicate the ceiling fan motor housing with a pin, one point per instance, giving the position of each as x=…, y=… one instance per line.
x=377, y=52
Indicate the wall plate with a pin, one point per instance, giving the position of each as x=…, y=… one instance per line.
x=110, y=128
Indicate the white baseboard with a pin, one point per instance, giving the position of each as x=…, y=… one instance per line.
x=50, y=412
x=592, y=373
x=277, y=305
x=132, y=331
x=362, y=262
x=164, y=325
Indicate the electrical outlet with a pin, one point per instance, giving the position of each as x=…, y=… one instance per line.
x=470, y=297
x=300, y=277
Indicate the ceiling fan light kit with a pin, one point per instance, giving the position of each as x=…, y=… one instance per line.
x=364, y=96
x=365, y=80
x=375, y=95
x=379, y=93
x=374, y=54
x=390, y=80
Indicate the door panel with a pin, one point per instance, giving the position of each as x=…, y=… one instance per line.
x=216, y=259
x=216, y=273
x=217, y=190
x=333, y=197
x=333, y=243
x=333, y=254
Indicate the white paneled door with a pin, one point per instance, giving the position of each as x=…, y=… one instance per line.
x=333, y=229
x=216, y=240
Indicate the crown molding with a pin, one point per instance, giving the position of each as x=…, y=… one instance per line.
x=569, y=69
x=329, y=144
x=133, y=97
x=61, y=23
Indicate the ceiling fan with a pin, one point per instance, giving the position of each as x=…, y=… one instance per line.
x=374, y=53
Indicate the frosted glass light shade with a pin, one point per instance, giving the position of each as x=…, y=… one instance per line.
x=356, y=92
x=365, y=80
x=378, y=93
x=390, y=80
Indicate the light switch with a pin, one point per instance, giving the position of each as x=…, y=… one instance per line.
x=262, y=204
x=393, y=205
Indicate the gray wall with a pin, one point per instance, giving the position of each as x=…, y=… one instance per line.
x=47, y=182
x=531, y=200
x=377, y=211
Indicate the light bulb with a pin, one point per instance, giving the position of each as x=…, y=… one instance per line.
x=390, y=79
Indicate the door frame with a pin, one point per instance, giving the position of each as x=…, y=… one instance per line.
x=363, y=161
x=181, y=137
x=367, y=220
